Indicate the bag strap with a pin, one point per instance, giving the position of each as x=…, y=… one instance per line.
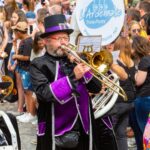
x=132, y=84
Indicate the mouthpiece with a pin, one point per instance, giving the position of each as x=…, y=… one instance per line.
x=63, y=47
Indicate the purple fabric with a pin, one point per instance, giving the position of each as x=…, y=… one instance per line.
x=41, y=128
x=61, y=90
x=83, y=102
x=88, y=76
x=57, y=28
x=66, y=115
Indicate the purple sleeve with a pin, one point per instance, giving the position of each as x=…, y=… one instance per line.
x=87, y=77
x=62, y=90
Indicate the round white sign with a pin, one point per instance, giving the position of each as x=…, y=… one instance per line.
x=100, y=17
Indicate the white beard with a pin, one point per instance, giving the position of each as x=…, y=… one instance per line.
x=55, y=53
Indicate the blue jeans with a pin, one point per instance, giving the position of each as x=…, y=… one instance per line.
x=26, y=79
x=135, y=127
x=142, y=109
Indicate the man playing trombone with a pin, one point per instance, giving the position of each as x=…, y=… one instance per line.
x=62, y=89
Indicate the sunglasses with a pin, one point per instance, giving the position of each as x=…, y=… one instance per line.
x=136, y=30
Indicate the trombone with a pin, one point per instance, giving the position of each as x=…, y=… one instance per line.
x=70, y=49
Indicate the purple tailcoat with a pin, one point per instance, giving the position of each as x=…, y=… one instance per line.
x=68, y=107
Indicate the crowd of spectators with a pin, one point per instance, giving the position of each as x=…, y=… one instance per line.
x=22, y=23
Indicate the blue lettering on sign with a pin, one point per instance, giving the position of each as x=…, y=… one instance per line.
x=98, y=13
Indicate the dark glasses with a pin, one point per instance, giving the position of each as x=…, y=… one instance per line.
x=136, y=30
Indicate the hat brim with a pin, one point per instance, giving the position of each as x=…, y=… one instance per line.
x=19, y=30
x=44, y=35
x=15, y=28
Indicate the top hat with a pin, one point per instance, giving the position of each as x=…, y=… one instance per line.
x=56, y=23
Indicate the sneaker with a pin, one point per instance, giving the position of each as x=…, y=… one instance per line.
x=22, y=116
x=34, y=142
x=131, y=142
x=34, y=122
x=28, y=118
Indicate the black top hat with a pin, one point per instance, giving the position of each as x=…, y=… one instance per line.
x=55, y=23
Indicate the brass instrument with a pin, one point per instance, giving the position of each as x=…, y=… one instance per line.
x=101, y=61
x=104, y=101
x=6, y=92
x=104, y=59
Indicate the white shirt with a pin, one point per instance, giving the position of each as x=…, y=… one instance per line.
x=33, y=55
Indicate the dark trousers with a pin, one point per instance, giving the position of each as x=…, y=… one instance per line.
x=137, y=132
x=120, y=120
x=106, y=135
x=142, y=109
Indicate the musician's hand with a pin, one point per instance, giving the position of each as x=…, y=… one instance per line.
x=71, y=58
x=80, y=70
x=103, y=89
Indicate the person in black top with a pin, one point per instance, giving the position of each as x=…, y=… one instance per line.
x=141, y=47
x=123, y=108
x=22, y=57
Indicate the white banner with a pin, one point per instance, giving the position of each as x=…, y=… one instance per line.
x=100, y=17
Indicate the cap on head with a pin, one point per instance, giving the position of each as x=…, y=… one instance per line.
x=21, y=26
x=55, y=23
x=30, y=15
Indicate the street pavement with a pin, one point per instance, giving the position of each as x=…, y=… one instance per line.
x=27, y=130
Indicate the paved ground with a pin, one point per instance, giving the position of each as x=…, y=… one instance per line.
x=27, y=130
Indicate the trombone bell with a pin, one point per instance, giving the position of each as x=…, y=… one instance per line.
x=101, y=61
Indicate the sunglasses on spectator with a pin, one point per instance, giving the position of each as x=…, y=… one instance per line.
x=136, y=30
